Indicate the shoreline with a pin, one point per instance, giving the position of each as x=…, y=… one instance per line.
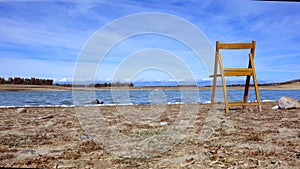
x=112, y=105
x=16, y=88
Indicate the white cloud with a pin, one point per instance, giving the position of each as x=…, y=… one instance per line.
x=35, y=68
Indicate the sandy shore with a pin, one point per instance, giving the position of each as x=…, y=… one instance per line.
x=290, y=86
x=58, y=137
x=11, y=87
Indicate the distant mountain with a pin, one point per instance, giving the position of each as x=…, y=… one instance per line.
x=154, y=83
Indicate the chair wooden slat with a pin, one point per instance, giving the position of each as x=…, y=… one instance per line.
x=235, y=46
x=237, y=71
x=241, y=103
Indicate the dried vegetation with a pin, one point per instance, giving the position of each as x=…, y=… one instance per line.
x=239, y=139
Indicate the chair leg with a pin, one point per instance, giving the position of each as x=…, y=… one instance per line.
x=225, y=94
x=223, y=83
x=256, y=92
x=213, y=94
x=255, y=83
x=246, y=90
x=213, y=91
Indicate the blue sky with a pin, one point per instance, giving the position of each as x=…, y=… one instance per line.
x=44, y=38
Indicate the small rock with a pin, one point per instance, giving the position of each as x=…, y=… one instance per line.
x=288, y=103
x=28, y=152
x=21, y=110
x=275, y=107
x=273, y=162
x=163, y=123
x=96, y=101
x=46, y=117
x=65, y=166
x=87, y=136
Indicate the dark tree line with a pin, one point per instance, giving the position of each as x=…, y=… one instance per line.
x=26, y=81
x=37, y=81
x=118, y=84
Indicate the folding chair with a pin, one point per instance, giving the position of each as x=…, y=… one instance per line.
x=248, y=72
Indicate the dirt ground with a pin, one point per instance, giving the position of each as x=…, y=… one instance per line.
x=68, y=137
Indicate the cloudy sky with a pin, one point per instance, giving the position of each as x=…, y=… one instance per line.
x=45, y=39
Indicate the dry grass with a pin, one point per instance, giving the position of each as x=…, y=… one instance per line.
x=240, y=139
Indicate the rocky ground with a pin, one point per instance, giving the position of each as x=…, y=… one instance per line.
x=120, y=137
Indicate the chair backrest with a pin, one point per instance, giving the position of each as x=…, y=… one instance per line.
x=236, y=46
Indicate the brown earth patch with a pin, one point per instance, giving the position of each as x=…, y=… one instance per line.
x=240, y=139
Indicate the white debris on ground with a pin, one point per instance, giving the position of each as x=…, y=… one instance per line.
x=21, y=110
x=288, y=103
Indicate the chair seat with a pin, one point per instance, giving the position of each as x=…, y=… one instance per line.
x=237, y=71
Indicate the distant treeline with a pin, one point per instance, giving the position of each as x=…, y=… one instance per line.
x=271, y=84
x=282, y=83
x=264, y=84
x=26, y=81
x=37, y=81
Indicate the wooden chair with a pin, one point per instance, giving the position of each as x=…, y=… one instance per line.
x=248, y=72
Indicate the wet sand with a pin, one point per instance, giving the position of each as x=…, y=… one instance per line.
x=56, y=137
